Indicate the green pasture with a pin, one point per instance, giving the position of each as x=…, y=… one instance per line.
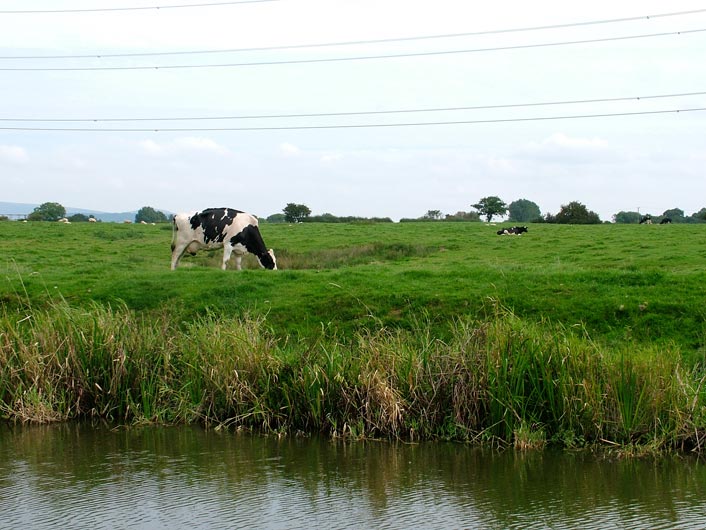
x=620, y=284
x=567, y=335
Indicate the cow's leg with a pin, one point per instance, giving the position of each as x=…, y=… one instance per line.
x=227, y=249
x=177, y=253
x=238, y=260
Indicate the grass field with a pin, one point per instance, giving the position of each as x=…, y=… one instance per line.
x=622, y=282
x=631, y=295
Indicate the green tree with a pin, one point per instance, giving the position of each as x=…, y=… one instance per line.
x=675, y=214
x=576, y=213
x=48, y=211
x=523, y=211
x=463, y=216
x=276, y=218
x=627, y=217
x=490, y=206
x=150, y=215
x=78, y=218
x=296, y=213
x=700, y=215
x=432, y=215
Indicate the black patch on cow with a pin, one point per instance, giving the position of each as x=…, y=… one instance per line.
x=251, y=239
x=214, y=222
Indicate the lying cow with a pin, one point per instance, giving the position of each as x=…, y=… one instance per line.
x=232, y=230
x=513, y=231
x=666, y=221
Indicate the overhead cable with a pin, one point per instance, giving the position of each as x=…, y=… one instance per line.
x=354, y=58
x=133, y=8
x=361, y=113
x=358, y=42
x=355, y=126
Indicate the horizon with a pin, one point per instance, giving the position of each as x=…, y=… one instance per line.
x=73, y=210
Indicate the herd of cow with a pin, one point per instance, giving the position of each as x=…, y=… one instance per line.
x=647, y=220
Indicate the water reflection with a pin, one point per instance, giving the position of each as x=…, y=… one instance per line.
x=73, y=476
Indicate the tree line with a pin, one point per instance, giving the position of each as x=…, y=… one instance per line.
x=53, y=211
x=519, y=211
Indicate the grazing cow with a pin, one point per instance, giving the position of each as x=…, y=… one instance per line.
x=226, y=228
x=514, y=231
x=666, y=221
x=646, y=220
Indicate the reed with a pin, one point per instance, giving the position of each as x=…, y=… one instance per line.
x=501, y=380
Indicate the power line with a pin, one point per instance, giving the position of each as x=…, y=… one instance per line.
x=363, y=113
x=358, y=42
x=359, y=126
x=133, y=8
x=354, y=58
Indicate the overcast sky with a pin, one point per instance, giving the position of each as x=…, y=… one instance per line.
x=651, y=162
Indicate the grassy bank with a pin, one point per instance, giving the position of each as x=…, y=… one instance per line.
x=568, y=334
x=503, y=381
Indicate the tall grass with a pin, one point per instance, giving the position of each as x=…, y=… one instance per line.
x=500, y=380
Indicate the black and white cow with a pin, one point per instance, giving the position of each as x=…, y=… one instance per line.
x=232, y=230
x=665, y=221
x=646, y=220
x=514, y=231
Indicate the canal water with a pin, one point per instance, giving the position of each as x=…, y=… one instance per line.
x=75, y=476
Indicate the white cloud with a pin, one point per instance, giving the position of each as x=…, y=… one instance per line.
x=330, y=158
x=193, y=143
x=152, y=147
x=184, y=145
x=562, y=141
x=14, y=154
x=287, y=149
x=564, y=149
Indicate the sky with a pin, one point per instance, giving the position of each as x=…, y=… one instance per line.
x=107, y=109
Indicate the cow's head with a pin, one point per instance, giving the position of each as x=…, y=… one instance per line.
x=268, y=260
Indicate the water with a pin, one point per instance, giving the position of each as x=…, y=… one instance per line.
x=73, y=476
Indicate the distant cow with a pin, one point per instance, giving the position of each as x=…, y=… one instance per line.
x=226, y=228
x=646, y=220
x=514, y=231
x=665, y=221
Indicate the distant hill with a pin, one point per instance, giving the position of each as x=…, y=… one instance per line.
x=19, y=210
